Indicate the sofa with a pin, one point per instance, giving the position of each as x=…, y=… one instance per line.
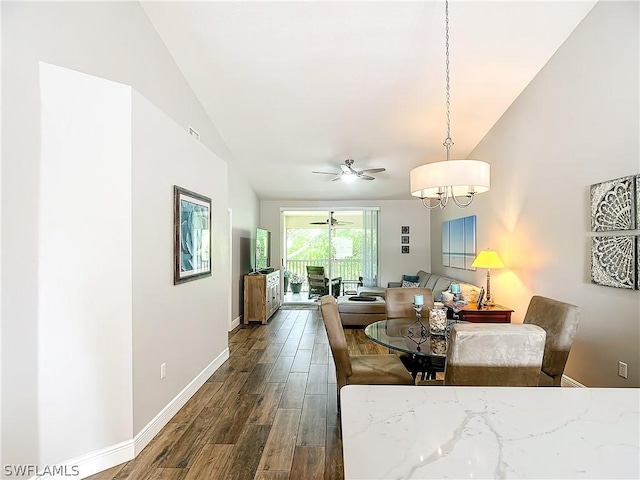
x=361, y=314
x=434, y=281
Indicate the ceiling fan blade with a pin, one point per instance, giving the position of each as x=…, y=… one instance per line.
x=327, y=173
x=317, y=223
x=372, y=170
x=338, y=177
x=365, y=177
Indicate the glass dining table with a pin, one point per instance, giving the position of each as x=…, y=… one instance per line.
x=427, y=350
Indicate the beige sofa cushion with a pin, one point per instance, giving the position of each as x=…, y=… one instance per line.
x=423, y=277
x=431, y=282
x=469, y=292
x=371, y=291
x=442, y=284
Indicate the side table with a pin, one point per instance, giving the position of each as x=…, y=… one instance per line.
x=486, y=314
x=350, y=287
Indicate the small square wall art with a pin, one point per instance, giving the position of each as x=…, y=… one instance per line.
x=614, y=204
x=614, y=260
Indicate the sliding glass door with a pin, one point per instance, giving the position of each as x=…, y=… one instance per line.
x=343, y=242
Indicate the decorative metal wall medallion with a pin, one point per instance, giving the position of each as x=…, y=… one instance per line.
x=637, y=201
x=613, y=205
x=637, y=262
x=613, y=261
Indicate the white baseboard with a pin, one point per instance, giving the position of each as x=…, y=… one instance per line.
x=99, y=460
x=570, y=382
x=234, y=324
x=152, y=428
x=91, y=463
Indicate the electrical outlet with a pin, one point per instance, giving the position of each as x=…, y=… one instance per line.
x=622, y=369
x=163, y=371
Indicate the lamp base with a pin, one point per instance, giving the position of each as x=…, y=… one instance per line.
x=488, y=301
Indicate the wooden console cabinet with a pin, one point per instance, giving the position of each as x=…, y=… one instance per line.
x=261, y=296
x=492, y=314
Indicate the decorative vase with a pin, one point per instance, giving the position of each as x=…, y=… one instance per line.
x=296, y=287
x=437, y=320
x=286, y=283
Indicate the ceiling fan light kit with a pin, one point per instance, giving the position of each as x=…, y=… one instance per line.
x=350, y=174
x=450, y=178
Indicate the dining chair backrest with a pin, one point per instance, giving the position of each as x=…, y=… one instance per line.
x=399, y=301
x=560, y=321
x=337, y=339
x=494, y=354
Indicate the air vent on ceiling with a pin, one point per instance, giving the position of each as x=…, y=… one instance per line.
x=193, y=133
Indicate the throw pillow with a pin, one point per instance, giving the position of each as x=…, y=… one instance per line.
x=410, y=278
x=406, y=284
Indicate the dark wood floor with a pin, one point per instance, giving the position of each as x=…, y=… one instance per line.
x=269, y=412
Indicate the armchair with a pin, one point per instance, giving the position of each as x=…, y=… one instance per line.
x=319, y=284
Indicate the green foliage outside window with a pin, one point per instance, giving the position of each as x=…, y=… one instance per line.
x=313, y=243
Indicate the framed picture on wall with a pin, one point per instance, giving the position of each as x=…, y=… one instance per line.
x=405, y=249
x=405, y=230
x=192, y=235
x=405, y=239
x=459, y=242
x=446, y=252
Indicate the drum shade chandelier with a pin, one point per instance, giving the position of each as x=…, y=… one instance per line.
x=450, y=178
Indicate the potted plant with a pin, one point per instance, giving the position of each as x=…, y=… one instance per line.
x=295, y=281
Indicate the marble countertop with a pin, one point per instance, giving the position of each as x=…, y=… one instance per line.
x=398, y=432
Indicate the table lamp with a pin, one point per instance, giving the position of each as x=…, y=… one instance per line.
x=488, y=259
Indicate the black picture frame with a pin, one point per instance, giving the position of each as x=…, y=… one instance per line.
x=192, y=230
x=405, y=248
x=480, y=298
x=404, y=230
x=404, y=239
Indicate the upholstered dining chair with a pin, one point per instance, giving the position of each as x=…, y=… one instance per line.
x=494, y=354
x=399, y=304
x=358, y=369
x=560, y=321
x=400, y=301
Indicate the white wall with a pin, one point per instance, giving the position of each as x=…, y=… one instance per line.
x=576, y=124
x=84, y=265
x=111, y=40
x=393, y=215
x=184, y=326
x=246, y=209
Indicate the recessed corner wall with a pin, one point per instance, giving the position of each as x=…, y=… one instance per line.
x=84, y=264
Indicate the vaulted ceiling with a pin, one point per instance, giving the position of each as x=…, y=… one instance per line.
x=294, y=87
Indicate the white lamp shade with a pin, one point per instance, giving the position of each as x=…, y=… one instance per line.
x=427, y=180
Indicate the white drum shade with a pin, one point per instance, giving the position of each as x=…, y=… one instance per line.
x=459, y=175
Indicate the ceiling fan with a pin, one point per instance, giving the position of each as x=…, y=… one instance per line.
x=349, y=173
x=334, y=222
